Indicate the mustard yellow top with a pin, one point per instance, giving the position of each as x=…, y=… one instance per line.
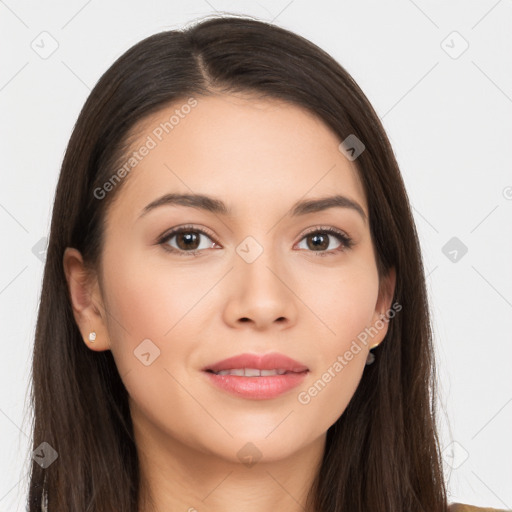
x=462, y=507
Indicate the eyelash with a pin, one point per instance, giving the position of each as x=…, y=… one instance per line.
x=347, y=242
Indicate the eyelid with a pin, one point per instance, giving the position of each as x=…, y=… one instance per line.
x=187, y=227
x=314, y=229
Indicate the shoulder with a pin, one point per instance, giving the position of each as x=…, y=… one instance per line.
x=462, y=507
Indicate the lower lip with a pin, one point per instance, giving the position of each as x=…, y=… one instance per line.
x=257, y=388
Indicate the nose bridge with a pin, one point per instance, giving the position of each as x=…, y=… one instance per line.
x=261, y=273
x=258, y=257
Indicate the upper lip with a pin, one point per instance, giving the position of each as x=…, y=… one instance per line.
x=272, y=361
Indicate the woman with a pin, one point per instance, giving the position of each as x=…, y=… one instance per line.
x=234, y=312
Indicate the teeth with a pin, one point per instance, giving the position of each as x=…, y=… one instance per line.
x=251, y=372
x=239, y=372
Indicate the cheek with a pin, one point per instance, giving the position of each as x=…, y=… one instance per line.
x=150, y=300
x=147, y=300
x=141, y=307
x=346, y=306
x=344, y=303
x=151, y=327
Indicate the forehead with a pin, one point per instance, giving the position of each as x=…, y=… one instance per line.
x=252, y=153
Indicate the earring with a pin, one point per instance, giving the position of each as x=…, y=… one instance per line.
x=92, y=336
x=371, y=356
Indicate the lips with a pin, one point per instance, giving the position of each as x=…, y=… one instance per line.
x=256, y=376
x=271, y=361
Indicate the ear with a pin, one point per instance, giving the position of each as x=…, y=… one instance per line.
x=86, y=301
x=381, y=315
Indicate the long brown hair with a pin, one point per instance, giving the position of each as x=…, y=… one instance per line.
x=383, y=452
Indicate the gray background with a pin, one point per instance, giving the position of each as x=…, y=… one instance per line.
x=447, y=110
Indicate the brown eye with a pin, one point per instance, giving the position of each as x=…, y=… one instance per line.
x=188, y=241
x=319, y=240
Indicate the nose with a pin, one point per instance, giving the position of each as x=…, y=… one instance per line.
x=261, y=293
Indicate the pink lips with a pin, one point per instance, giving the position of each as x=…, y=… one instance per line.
x=257, y=388
x=272, y=361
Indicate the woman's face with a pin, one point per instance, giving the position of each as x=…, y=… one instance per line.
x=263, y=278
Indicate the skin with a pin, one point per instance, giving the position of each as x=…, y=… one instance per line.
x=259, y=156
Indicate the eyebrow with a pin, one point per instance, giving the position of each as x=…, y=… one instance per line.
x=213, y=205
